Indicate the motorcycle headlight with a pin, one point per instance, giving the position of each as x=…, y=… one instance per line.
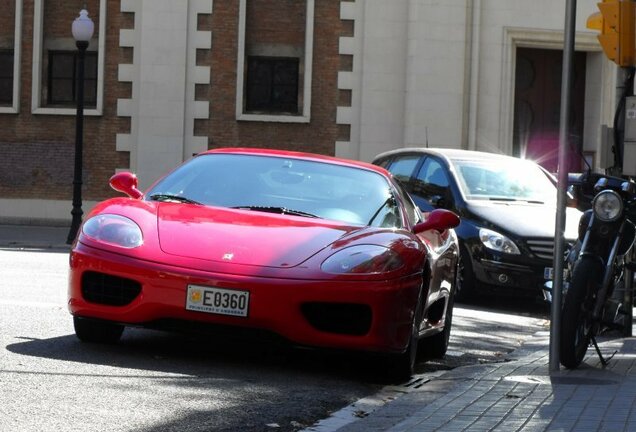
x=499, y=242
x=608, y=206
x=362, y=259
x=113, y=229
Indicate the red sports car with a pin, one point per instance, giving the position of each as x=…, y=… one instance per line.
x=322, y=251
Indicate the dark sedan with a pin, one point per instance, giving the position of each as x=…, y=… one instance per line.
x=507, y=208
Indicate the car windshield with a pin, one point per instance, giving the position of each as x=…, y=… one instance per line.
x=518, y=180
x=282, y=185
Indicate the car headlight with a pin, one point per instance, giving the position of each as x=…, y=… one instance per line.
x=608, y=206
x=499, y=242
x=113, y=229
x=362, y=259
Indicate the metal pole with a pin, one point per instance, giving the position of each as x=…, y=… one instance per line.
x=79, y=134
x=566, y=79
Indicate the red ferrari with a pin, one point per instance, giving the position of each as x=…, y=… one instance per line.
x=323, y=251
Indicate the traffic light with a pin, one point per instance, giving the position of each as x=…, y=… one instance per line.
x=615, y=21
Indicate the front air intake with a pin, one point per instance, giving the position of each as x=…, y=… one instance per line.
x=341, y=318
x=109, y=290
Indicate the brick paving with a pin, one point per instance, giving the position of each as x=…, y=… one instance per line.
x=518, y=394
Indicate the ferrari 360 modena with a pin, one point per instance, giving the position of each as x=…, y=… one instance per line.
x=325, y=252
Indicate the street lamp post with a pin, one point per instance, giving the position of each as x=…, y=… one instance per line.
x=82, y=33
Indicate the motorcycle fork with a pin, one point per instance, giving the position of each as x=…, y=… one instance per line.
x=608, y=276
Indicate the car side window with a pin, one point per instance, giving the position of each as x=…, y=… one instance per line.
x=402, y=167
x=432, y=184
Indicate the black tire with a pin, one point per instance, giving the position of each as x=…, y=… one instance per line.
x=576, y=317
x=398, y=368
x=94, y=331
x=465, y=278
x=435, y=346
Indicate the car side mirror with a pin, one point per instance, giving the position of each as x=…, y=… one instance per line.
x=438, y=219
x=126, y=182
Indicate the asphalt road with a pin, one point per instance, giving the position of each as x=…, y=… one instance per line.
x=155, y=381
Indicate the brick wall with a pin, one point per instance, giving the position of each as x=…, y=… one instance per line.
x=36, y=151
x=320, y=134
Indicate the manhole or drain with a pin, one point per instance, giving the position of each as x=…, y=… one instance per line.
x=416, y=383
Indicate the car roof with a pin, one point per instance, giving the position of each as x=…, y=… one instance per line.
x=299, y=155
x=448, y=154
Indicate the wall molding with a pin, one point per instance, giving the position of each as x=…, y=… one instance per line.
x=36, y=81
x=17, y=61
x=305, y=117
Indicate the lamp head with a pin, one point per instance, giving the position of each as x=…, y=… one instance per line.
x=83, y=27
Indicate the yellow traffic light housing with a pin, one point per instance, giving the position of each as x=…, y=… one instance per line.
x=615, y=21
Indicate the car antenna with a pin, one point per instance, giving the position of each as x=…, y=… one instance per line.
x=426, y=134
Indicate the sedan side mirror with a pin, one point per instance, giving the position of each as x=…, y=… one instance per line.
x=438, y=219
x=127, y=183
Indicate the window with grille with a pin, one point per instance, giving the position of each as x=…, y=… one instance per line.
x=6, y=77
x=62, y=78
x=272, y=84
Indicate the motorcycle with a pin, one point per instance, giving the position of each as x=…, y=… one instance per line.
x=598, y=268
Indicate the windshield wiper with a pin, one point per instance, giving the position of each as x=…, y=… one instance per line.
x=173, y=198
x=390, y=201
x=279, y=210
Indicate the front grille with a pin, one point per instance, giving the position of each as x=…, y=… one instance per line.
x=542, y=248
x=341, y=318
x=108, y=289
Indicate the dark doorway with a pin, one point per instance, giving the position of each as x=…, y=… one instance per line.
x=538, y=107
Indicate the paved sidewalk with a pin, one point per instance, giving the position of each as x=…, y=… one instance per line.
x=518, y=394
x=33, y=237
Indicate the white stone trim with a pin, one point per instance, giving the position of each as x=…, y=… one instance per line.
x=515, y=37
x=17, y=60
x=36, y=83
x=351, y=80
x=305, y=117
x=196, y=75
x=128, y=38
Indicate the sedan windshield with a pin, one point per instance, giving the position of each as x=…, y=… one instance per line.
x=282, y=185
x=504, y=181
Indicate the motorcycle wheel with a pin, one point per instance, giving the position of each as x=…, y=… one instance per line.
x=576, y=318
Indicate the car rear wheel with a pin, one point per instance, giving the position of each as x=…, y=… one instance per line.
x=436, y=346
x=88, y=330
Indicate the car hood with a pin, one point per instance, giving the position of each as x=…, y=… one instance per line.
x=243, y=236
x=525, y=219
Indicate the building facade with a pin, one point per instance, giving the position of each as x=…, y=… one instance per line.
x=166, y=79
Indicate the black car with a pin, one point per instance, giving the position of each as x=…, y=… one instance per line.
x=507, y=208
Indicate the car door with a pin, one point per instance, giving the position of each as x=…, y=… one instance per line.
x=442, y=259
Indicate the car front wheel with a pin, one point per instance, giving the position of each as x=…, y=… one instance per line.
x=88, y=330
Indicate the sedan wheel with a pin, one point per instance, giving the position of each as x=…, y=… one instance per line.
x=88, y=330
x=464, y=279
